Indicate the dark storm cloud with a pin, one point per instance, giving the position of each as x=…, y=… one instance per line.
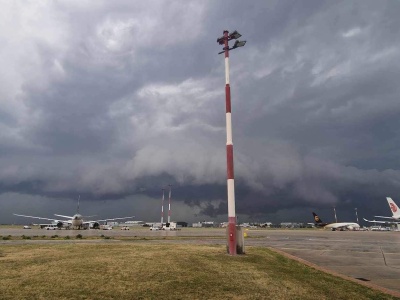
x=112, y=101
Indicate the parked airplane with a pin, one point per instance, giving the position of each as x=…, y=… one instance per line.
x=75, y=221
x=334, y=226
x=395, y=214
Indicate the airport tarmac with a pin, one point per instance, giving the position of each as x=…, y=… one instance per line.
x=365, y=255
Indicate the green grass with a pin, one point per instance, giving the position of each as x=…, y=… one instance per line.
x=121, y=238
x=153, y=271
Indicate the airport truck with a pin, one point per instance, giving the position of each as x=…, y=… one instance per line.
x=169, y=226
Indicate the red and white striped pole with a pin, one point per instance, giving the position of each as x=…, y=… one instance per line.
x=162, y=208
x=229, y=156
x=224, y=40
x=169, y=204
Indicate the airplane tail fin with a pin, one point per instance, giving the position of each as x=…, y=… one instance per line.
x=393, y=207
x=77, y=209
x=317, y=219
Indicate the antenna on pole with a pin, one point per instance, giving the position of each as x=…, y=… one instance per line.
x=162, y=208
x=357, y=215
x=169, y=204
x=334, y=210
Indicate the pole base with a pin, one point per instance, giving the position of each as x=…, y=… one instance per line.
x=240, y=249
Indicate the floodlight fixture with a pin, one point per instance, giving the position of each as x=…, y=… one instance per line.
x=238, y=44
x=234, y=35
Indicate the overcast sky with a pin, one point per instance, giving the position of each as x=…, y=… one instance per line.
x=112, y=100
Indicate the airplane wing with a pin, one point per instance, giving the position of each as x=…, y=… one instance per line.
x=68, y=217
x=38, y=218
x=381, y=222
x=384, y=217
x=104, y=220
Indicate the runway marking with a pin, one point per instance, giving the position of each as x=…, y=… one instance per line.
x=384, y=259
x=335, y=251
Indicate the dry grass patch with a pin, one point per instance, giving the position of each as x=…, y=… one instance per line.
x=150, y=271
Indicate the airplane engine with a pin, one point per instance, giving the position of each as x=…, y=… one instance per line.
x=350, y=227
x=95, y=225
x=60, y=225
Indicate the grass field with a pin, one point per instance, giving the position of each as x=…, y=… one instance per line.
x=149, y=270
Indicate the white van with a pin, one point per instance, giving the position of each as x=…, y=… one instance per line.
x=51, y=227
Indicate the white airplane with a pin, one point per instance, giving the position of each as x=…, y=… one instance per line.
x=75, y=221
x=395, y=214
x=335, y=226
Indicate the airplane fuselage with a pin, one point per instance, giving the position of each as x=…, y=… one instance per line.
x=342, y=225
x=77, y=220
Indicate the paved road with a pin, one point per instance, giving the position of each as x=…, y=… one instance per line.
x=370, y=256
